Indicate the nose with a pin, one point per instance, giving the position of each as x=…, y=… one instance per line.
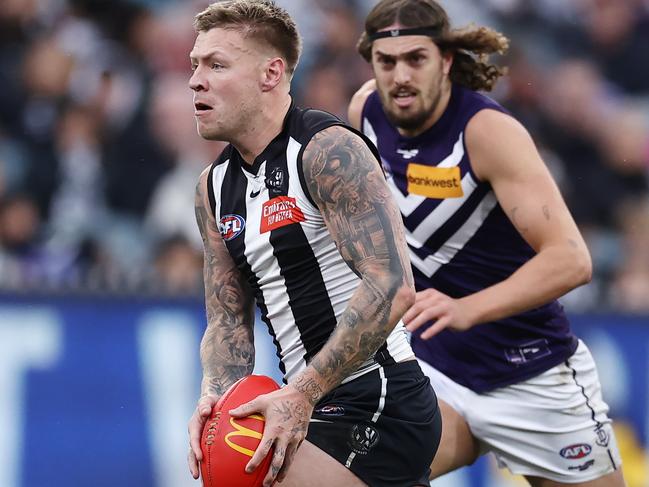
x=196, y=81
x=402, y=74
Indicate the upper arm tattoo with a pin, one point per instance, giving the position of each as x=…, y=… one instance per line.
x=346, y=182
x=227, y=348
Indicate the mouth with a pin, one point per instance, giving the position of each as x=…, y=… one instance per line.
x=404, y=98
x=201, y=108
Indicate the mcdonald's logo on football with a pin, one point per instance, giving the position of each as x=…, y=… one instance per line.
x=242, y=431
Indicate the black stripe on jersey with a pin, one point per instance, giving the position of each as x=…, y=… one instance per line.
x=308, y=297
x=232, y=204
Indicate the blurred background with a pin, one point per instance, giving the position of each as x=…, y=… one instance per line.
x=100, y=258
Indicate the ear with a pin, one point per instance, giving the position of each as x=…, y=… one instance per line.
x=447, y=62
x=273, y=73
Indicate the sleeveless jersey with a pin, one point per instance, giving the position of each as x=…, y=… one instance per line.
x=461, y=242
x=278, y=240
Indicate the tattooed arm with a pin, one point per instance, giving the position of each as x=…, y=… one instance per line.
x=227, y=350
x=503, y=153
x=346, y=182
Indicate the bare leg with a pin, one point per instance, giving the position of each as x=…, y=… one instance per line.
x=314, y=468
x=457, y=447
x=614, y=479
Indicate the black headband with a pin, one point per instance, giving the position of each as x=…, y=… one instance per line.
x=415, y=31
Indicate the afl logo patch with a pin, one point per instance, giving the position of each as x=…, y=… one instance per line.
x=231, y=226
x=574, y=452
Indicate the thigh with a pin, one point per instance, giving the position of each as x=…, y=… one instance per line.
x=458, y=445
x=384, y=426
x=314, y=468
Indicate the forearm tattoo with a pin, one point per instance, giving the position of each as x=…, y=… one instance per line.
x=346, y=182
x=227, y=348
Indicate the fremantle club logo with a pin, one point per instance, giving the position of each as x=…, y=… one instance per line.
x=231, y=226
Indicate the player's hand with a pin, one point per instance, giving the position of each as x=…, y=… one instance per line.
x=287, y=413
x=195, y=428
x=442, y=310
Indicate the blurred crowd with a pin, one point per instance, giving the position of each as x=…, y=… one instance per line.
x=99, y=155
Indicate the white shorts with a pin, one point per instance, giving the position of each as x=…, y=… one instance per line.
x=554, y=426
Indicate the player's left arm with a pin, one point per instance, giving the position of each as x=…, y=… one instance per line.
x=503, y=153
x=348, y=185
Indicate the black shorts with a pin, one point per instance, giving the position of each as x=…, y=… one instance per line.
x=384, y=426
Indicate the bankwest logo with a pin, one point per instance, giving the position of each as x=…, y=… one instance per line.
x=279, y=212
x=434, y=182
x=242, y=431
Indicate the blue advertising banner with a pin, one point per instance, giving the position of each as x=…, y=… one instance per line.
x=97, y=391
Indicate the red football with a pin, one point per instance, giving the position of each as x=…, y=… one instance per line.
x=228, y=443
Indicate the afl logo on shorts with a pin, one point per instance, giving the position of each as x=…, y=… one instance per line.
x=231, y=226
x=575, y=452
x=363, y=438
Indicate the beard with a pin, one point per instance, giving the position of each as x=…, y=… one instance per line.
x=412, y=122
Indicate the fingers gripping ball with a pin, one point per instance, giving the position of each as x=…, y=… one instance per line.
x=228, y=443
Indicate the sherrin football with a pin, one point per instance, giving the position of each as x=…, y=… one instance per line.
x=228, y=443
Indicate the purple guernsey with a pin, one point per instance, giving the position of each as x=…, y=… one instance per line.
x=461, y=242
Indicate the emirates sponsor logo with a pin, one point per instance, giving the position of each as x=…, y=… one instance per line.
x=279, y=212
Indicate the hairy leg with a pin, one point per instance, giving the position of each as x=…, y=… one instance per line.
x=457, y=447
x=314, y=468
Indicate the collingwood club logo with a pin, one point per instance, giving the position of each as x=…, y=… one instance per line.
x=363, y=438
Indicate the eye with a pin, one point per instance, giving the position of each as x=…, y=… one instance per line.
x=217, y=66
x=194, y=66
x=386, y=62
x=417, y=59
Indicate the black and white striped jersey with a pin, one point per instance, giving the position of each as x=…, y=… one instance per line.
x=277, y=237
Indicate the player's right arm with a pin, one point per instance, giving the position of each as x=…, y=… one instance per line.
x=355, y=109
x=227, y=350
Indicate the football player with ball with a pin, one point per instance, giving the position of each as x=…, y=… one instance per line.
x=296, y=216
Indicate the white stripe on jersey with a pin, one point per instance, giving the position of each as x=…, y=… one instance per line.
x=436, y=218
x=453, y=245
x=217, y=176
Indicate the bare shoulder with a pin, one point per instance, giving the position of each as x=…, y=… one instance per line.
x=333, y=158
x=357, y=103
x=498, y=142
x=204, y=218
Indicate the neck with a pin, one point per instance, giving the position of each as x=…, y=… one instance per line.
x=262, y=128
x=440, y=108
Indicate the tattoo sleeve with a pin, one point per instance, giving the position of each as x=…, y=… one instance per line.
x=227, y=348
x=346, y=182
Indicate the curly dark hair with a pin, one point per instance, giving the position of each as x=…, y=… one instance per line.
x=470, y=46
